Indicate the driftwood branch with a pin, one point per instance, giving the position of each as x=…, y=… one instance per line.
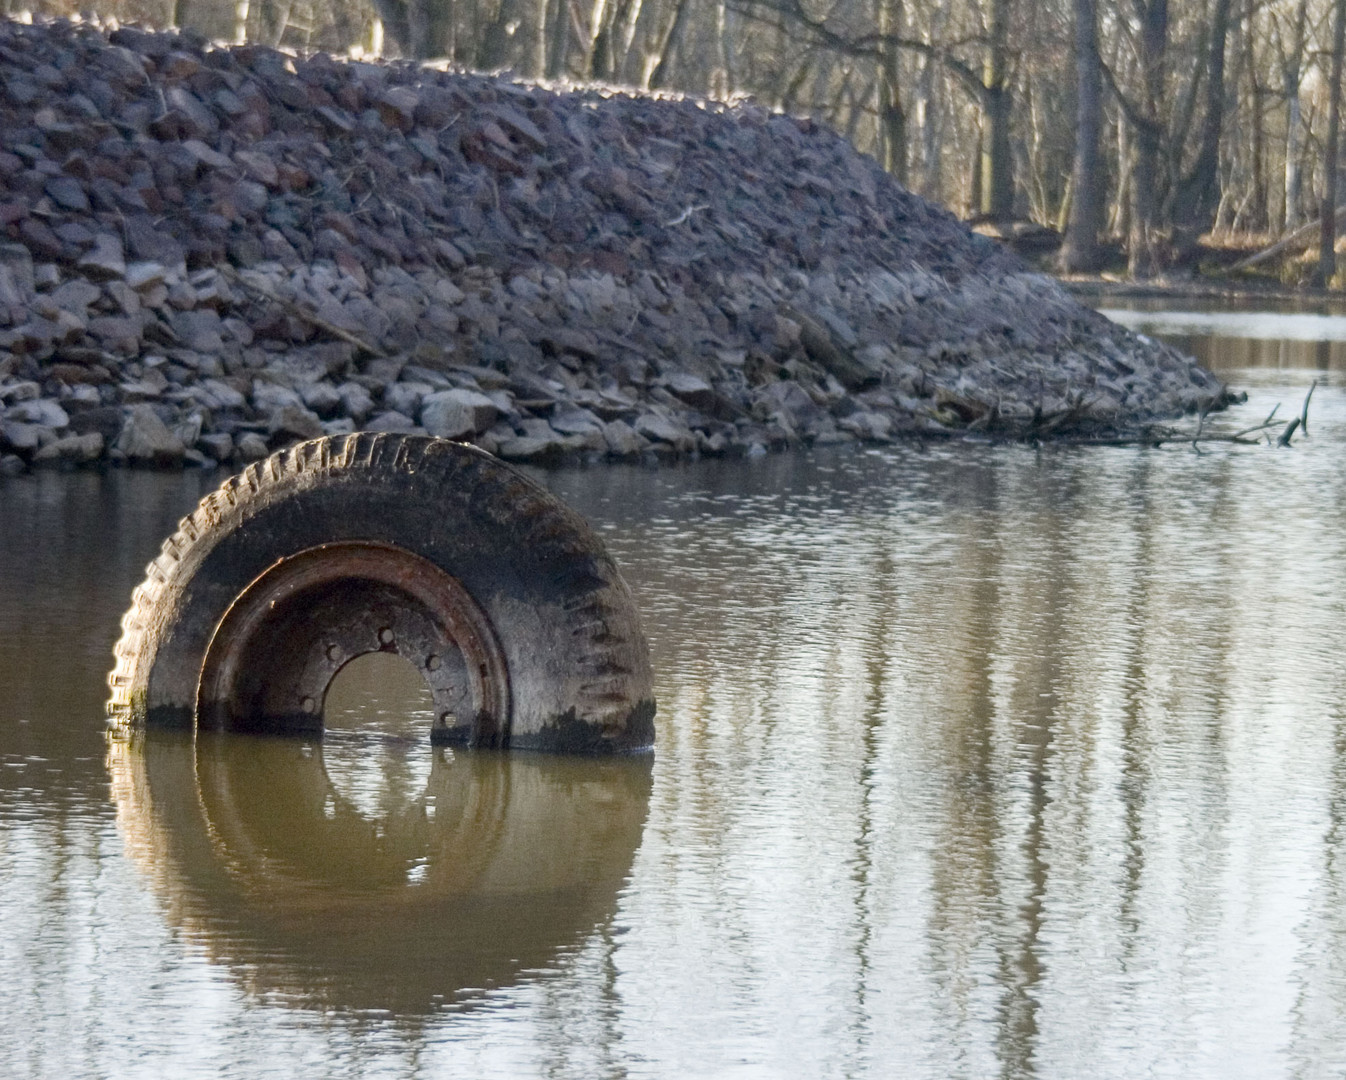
x=1294, y=240
x=300, y=312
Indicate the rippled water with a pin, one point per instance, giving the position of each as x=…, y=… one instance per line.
x=971, y=761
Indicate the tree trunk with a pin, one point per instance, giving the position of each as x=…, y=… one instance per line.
x=668, y=50
x=1143, y=255
x=275, y=17
x=606, y=52
x=1294, y=123
x=558, y=39
x=493, y=48
x=974, y=198
x=997, y=185
x=1327, y=237
x=1080, y=253
x=430, y=28
x=722, y=77
x=927, y=116
x=1119, y=222
x=892, y=117
x=1199, y=193
x=1258, y=218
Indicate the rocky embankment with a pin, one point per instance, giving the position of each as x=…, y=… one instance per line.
x=211, y=252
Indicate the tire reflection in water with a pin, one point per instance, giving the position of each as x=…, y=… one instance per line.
x=404, y=904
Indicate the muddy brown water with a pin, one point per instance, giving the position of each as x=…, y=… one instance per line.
x=971, y=761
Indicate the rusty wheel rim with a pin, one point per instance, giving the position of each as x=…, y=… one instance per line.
x=282, y=641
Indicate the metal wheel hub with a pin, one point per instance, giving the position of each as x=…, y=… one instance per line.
x=281, y=643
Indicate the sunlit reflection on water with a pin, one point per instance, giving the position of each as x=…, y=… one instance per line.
x=971, y=761
x=376, y=718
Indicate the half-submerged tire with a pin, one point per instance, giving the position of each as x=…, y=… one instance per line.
x=501, y=596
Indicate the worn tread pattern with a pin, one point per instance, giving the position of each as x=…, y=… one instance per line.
x=612, y=686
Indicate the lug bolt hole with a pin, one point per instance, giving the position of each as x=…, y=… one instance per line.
x=385, y=636
x=308, y=705
x=334, y=652
x=432, y=662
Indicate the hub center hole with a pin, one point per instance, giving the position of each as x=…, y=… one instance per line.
x=376, y=740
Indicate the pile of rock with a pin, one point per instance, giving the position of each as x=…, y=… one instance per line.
x=211, y=252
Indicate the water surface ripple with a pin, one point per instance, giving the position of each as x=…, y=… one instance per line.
x=971, y=761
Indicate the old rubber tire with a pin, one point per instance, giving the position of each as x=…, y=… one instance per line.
x=502, y=597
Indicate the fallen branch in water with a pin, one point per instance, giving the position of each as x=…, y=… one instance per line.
x=1157, y=439
x=1301, y=421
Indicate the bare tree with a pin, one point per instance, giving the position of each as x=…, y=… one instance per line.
x=1080, y=252
x=1327, y=239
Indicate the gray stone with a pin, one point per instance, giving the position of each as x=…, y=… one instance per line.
x=575, y=421
x=225, y=396
x=529, y=448
x=12, y=465
x=789, y=401
x=342, y=425
x=145, y=439
x=456, y=414
x=322, y=397
x=19, y=277
x=199, y=329
x=73, y=449
x=873, y=426
x=695, y=391
x=391, y=421
x=116, y=331
x=296, y=422
x=250, y=447
x=125, y=297
x=137, y=390
x=80, y=397
x=661, y=429
x=105, y=260
x=355, y=401
x=20, y=391
x=205, y=155
x=40, y=411
x=218, y=445
x=436, y=380
x=75, y=296
x=68, y=193
x=622, y=440
x=143, y=275
x=406, y=397
x=712, y=445
x=18, y=436
x=188, y=429
x=267, y=397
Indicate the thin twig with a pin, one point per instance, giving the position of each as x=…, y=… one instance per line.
x=1258, y=427
x=300, y=312
x=1304, y=415
x=685, y=215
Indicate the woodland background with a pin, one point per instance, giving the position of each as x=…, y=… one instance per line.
x=1134, y=127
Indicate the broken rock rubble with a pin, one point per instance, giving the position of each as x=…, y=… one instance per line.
x=211, y=252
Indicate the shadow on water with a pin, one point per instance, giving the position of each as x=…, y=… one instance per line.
x=486, y=873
